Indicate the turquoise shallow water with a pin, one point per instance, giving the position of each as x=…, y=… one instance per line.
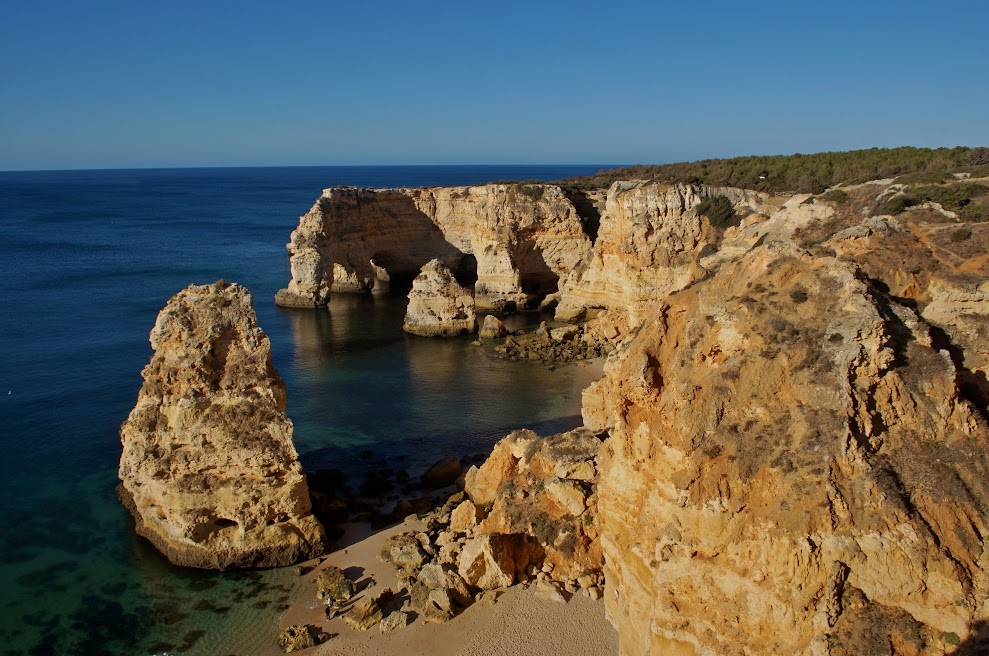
x=88, y=258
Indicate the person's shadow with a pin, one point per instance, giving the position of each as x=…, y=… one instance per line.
x=977, y=644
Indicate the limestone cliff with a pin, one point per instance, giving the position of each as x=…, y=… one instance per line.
x=517, y=240
x=438, y=305
x=648, y=246
x=790, y=470
x=208, y=468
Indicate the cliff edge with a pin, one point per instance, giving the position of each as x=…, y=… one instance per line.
x=791, y=469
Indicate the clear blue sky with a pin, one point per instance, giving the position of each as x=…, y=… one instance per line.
x=215, y=83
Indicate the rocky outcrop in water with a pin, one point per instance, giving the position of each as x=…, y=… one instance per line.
x=208, y=468
x=791, y=469
x=438, y=305
x=517, y=240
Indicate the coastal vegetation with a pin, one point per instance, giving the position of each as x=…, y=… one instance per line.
x=969, y=200
x=804, y=173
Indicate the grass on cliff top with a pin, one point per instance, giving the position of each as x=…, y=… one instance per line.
x=968, y=200
x=803, y=173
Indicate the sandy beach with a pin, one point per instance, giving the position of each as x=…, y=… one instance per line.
x=519, y=623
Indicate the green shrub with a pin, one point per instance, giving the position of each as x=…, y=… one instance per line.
x=950, y=197
x=925, y=177
x=835, y=196
x=799, y=296
x=975, y=213
x=894, y=205
x=535, y=192
x=719, y=211
x=978, y=156
x=799, y=173
x=960, y=234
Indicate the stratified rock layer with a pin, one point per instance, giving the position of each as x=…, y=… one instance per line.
x=517, y=239
x=438, y=305
x=791, y=470
x=648, y=246
x=208, y=467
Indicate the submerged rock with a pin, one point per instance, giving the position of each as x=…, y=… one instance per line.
x=442, y=473
x=438, y=305
x=208, y=468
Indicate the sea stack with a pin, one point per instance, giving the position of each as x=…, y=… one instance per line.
x=208, y=469
x=438, y=305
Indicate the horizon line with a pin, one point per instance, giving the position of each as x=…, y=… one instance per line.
x=300, y=166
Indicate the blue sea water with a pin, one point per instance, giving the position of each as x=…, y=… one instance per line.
x=87, y=259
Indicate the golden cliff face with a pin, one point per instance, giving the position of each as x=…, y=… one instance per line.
x=648, y=246
x=790, y=470
x=518, y=240
x=208, y=468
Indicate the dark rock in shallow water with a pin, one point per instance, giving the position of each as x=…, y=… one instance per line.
x=443, y=473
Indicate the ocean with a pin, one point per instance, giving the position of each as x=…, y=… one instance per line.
x=88, y=258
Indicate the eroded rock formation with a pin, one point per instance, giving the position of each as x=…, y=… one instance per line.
x=517, y=240
x=208, y=468
x=790, y=469
x=527, y=514
x=438, y=305
x=648, y=246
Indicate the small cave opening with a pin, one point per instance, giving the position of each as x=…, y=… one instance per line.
x=466, y=271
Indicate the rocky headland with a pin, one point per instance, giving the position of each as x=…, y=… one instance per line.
x=788, y=451
x=515, y=241
x=208, y=468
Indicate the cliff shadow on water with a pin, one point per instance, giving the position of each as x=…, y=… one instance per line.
x=361, y=391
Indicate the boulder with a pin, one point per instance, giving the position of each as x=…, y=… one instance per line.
x=494, y=560
x=544, y=488
x=404, y=552
x=445, y=578
x=364, y=614
x=442, y=473
x=482, y=486
x=465, y=517
x=492, y=328
x=208, y=468
x=395, y=620
x=438, y=305
x=564, y=333
x=422, y=600
x=333, y=585
x=296, y=638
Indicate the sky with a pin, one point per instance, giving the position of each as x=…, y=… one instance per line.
x=104, y=84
